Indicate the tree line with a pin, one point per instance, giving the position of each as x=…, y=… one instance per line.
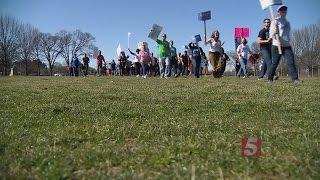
x=20, y=42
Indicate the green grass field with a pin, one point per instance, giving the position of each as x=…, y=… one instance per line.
x=125, y=127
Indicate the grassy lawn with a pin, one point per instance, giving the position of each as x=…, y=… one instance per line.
x=127, y=127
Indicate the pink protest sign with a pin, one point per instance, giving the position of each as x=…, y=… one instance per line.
x=241, y=32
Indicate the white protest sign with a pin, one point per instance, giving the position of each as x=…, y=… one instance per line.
x=119, y=50
x=267, y=3
x=155, y=32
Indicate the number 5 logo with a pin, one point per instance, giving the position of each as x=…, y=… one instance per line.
x=250, y=146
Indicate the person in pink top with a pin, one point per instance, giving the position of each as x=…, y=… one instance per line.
x=145, y=58
x=100, y=61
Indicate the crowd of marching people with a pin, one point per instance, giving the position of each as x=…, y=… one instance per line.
x=193, y=61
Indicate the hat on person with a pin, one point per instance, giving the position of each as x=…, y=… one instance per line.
x=282, y=8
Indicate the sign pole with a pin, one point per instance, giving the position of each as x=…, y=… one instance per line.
x=277, y=35
x=205, y=31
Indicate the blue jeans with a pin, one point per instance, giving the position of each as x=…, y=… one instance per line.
x=164, y=66
x=75, y=71
x=288, y=55
x=184, y=70
x=197, y=60
x=243, y=68
x=144, y=68
x=267, y=61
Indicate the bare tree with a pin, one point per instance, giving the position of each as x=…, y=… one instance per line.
x=27, y=43
x=9, y=30
x=37, y=49
x=82, y=42
x=65, y=45
x=255, y=57
x=305, y=45
x=50, y=49
x=76, y=42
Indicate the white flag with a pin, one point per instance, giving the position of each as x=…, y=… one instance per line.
x=266, y=3
x=129, y=35
x=118, y=50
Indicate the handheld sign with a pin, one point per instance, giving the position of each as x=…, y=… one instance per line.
x=203, y=16
x=267, y=3
x=197, y=38
x=155, y=32
x=241, y=32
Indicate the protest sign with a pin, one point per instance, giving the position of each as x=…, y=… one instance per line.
x=241, y=32
x=155, y=32
x=267, y=3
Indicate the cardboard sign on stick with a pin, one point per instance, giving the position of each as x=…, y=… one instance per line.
x=267, y=3
x=155, y=32
x=241, y=32
x=203, y=16
x=197, y=38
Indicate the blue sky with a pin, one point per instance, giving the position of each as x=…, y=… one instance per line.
x=110, y=21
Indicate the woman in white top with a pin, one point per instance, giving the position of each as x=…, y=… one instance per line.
x=136, y=61
x=243, y=52
x=214, y=52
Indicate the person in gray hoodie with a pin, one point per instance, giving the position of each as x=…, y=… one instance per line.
x=281, y=26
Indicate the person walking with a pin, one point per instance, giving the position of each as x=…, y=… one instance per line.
x=122, y=63
x=75, y=65
x=164, y=53
x=214, y=51
x=243, y=52
x=223, y=62
x=136, y=62
x=173, y=60
x=113, y=67
x=185, y=59
x=196, y=54
x=265, y=41
x=85, y=61
x=100, y=61
x=144, y=60
x=281, y=26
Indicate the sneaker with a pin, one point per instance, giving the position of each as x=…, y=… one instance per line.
x=145, y=76
x=270, y=81
x=259, y=79
x=297, y=81
x=276, y=77
x=137, y=76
